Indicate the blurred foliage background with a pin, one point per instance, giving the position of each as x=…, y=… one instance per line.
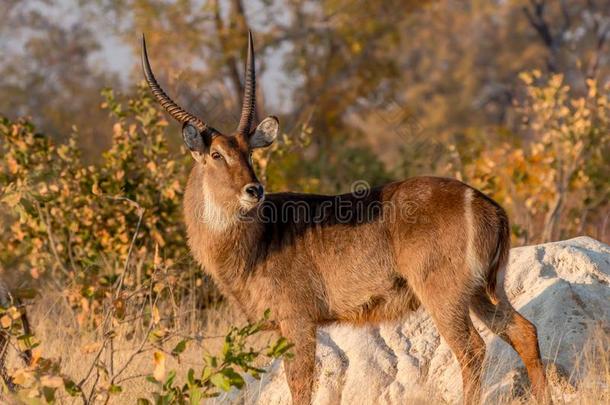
x=511, y=96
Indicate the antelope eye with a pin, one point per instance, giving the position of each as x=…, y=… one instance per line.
x=216, y=156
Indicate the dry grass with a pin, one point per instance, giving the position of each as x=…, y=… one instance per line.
x=55, y=325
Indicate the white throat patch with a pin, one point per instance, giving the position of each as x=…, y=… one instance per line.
x=214, y=215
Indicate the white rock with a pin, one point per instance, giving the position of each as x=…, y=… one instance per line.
x=562, y=287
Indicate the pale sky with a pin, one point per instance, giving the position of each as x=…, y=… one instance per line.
x=118, y=57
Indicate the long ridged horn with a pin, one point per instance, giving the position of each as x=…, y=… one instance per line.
x=248, y=107
x=177, y=112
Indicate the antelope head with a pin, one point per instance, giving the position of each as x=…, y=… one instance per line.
x=225, y=161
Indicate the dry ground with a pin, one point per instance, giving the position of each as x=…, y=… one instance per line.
x=61, y=338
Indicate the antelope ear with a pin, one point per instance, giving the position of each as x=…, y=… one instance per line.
x=196, y=141
x=265, y=133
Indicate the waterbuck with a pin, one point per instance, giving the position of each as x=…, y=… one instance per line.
x=361, y=257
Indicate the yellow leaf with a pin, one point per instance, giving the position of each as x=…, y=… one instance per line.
x=13, y=166
x=6, y=322
x=159, y=371
x=14, y=313
x=19, y=377
x=156, y=235
x=34, y=273
x=36, y=356
x=155, y=314
x=156, y=257
x=96, y=189
x=158, y=287
x=526, y=77
x=117, y=129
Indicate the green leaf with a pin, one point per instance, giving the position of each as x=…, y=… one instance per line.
x=151, y=379
x=71, y=388
x=195, y=395
x=206, y=373
x=256, y=372
x=115, y=389
x=211, y=361
x=169, y=381
x=49, y=394
x=179, y=348
x=221, y=381
x=226, y=348
x=143, y=401
x=235, y=379
x=190, y=377
x=28, y=341
x=279, y=348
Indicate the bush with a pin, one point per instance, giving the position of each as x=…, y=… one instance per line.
x=110, y=237
x=555, y=185
x=74, y=223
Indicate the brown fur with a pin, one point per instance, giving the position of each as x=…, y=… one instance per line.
x=426, y=241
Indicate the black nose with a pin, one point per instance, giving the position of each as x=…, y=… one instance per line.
x=254, y=191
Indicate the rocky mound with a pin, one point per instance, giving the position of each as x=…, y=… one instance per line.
x=563, y=287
